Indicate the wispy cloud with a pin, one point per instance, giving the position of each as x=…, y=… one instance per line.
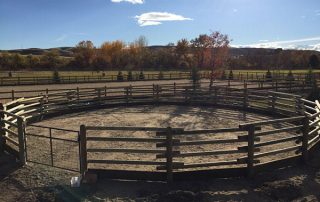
x=130, y=1
x=156, y=18
x=63, y=37
x=311, y=43
x=234, y=10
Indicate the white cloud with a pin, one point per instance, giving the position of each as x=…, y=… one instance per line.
x=311, y=43
x=156, y=18
x=130, y=1
x=235, y=10
x=61, y=38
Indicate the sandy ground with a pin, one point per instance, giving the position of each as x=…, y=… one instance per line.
x=188, y=118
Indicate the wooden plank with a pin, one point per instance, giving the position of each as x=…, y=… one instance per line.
x=10, y=123
x=209, y=164
x=125, y=139
x=127, y=162
x=182, y=132
x=313, y=140
x=10, y=131
x=12, y=141
x=15, y=108
x=203, y=142
x=286, y=139
x=314, y=131
x=263, y=133
x=127, y=150
x=308, y=101
x=277, y=151
x=265, y=122
x=129, y=128
x=208, y=153
x=314, y=122
x=9, y=114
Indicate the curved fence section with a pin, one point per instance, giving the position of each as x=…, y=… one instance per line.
x=174, y=152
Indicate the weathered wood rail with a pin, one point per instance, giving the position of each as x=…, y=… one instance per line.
x=298, y=118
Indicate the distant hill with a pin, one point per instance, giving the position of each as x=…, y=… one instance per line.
x=64, y=51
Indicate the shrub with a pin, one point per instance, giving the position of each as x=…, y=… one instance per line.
x=230, y=75
x=130, y=77
x=160, y=76
x=223, y=75
x=309, y=79
x=56, y=77
x=290, y=76
x=141, y=75
x=120, y=76
x=268, y=75
x=195, y=77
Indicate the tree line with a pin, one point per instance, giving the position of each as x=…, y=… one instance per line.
x=206, y=51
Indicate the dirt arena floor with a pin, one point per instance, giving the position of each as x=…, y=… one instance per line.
x=188, y=118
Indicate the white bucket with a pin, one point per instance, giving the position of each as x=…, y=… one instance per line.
x=75, y=181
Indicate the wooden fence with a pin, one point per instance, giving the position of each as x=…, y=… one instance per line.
x=10, y=81
x=252, y=142
x=283, y=86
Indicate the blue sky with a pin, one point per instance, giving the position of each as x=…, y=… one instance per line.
x=249, y=23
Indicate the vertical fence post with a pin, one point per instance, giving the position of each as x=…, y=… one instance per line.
x=12, y=95
x=83, y=150
x=51, y=149
x=245, y=95
x=127, y=94
x=105, y=91
x=305, y=135
x=250, y=160
x=272, y=101
x=174, y=88
x=2, y=132
x=99, y=93
x=21, y=138
x=158, y=91
x=78, y=94
x=169, y=155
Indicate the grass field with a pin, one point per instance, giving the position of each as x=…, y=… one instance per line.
x=107, y=73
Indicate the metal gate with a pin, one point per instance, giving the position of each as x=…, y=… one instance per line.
x=54, y=147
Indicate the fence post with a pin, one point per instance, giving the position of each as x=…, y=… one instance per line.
x=21, y=138
x=12, y=95
x=78, y=96
x=245, y=96
x=83, y=150
x=250, y=160
x=174, y=88
x=105, y=91
x=127, y=94
x=2, y=132
x=305, y=134
x=158, y=91
x=169, y=155
x=272, y=101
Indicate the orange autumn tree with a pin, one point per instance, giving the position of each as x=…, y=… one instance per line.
x=211, y=51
